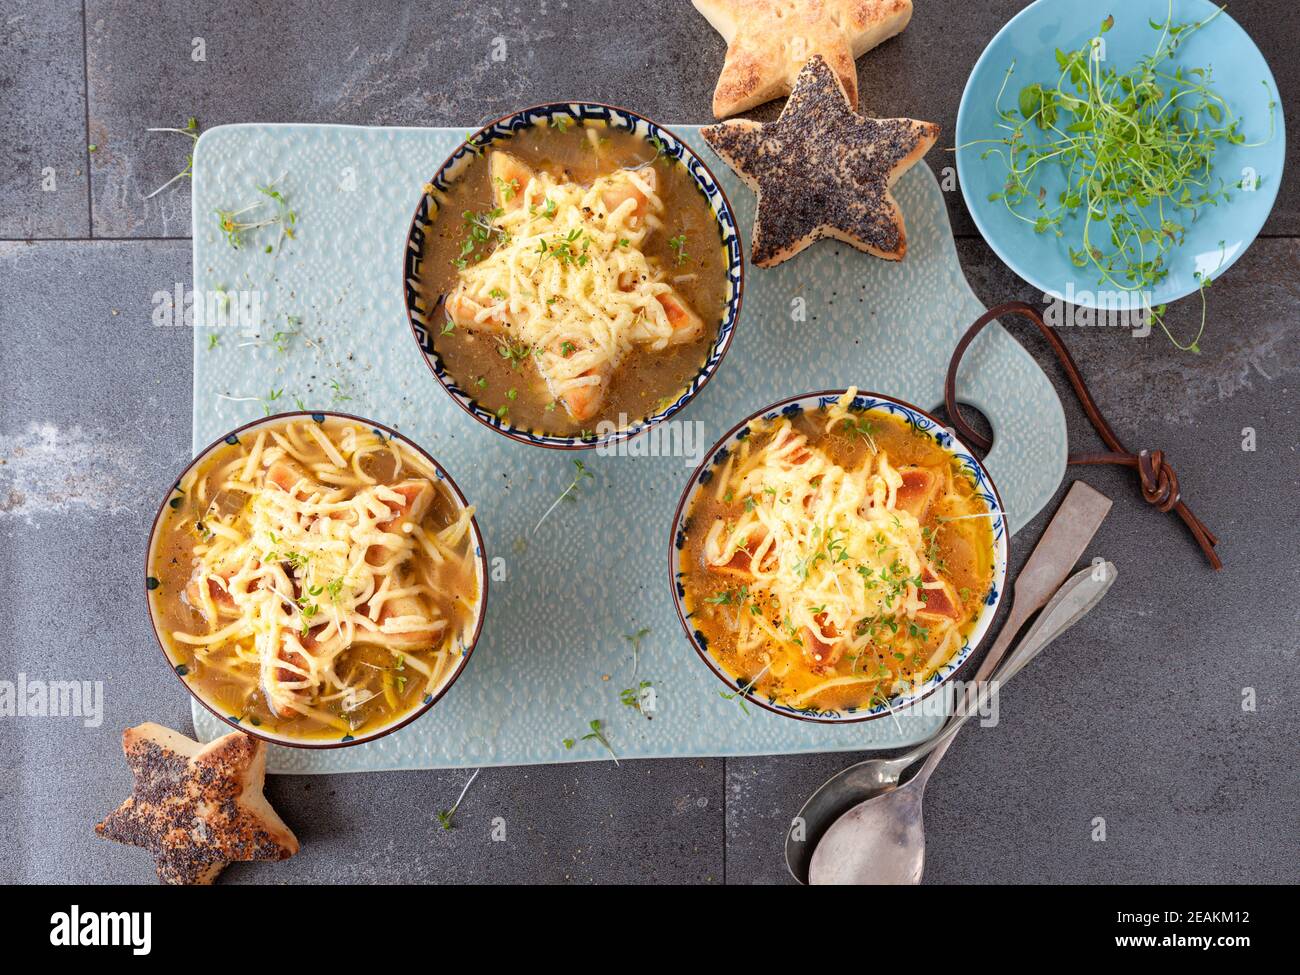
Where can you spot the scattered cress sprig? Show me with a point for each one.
(635, 639)
(596, 734)
(738, 695)
(191, 131)
(445, 816)
(580, 473)
(285, 218)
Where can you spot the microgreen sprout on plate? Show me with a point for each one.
(235, 224)
(569, 493)
(1137, 148)
(595, 734)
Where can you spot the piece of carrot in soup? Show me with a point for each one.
(620, 188)
(393, 608)
(791, 448)
(917, 491)
(292, 651)
(510, 179)
(940, 603)
(416, 495)
(289, 476)
(686, 325)
(221, 598)
(741, 564)
(584, 402)
(467, 313)
(820, 654)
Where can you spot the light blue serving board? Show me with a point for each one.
(553, 654)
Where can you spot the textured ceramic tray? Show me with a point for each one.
(554, 655)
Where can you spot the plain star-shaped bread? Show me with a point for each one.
(769, 42)
(823, 170)
(197, 807)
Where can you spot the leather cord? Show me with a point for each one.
(1159, 482)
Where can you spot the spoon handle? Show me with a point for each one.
(1044, 573)
(964, 708)
(1072, 602)
(1076, 599)
(937, 745)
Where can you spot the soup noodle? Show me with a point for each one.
(315, 579)
(836, 559)
(580, 275)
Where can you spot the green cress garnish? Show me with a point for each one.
(596, 734)
(570, 493)
(738, 695)
(515, 353)
(633, 697)
(445, 816)
(191, 131)
(635, 639)
(233, 228)
(1137, 149)
(678, 244)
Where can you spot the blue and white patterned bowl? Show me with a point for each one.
(402, 720)
(423, 315)
(920, 421)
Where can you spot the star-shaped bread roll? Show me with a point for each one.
(197, 807)
(823, 170)
(769, 42)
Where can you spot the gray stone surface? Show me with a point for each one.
(1134, 717)
(392, 63)
(43, 183)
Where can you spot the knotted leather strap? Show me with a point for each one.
(1159, 482)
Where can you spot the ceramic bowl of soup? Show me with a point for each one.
(838, 556)
(573, 275)
(316, 579)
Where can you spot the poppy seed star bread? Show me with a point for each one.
(197, 807)
(823, 170)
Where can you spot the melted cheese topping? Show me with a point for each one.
(316, 557)
(569, 275)
(831, 563)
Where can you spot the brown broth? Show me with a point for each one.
(644, 382)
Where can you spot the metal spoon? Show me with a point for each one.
(1062, 543)
(882, 840)
(842, 791)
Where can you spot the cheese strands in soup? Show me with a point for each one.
(315, 579)
(581, 276)
(836, 559)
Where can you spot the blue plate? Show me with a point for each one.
(1220, 234)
